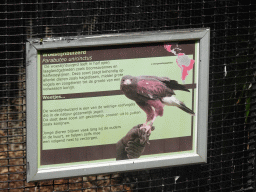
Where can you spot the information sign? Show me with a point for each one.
(82, 119)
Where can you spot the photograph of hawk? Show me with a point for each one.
(152, 93)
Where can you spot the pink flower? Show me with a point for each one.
(168, 48)
(185, 64)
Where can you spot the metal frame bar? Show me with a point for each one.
(35, 45)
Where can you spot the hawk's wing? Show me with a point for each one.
(153, 89)
(172, 84)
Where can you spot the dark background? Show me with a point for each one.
(231, 128)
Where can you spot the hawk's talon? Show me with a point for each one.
(148, 128)
(145, 132)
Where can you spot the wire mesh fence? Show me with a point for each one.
(232, 103)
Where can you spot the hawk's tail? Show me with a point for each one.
(183, 107)
(172, 101)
